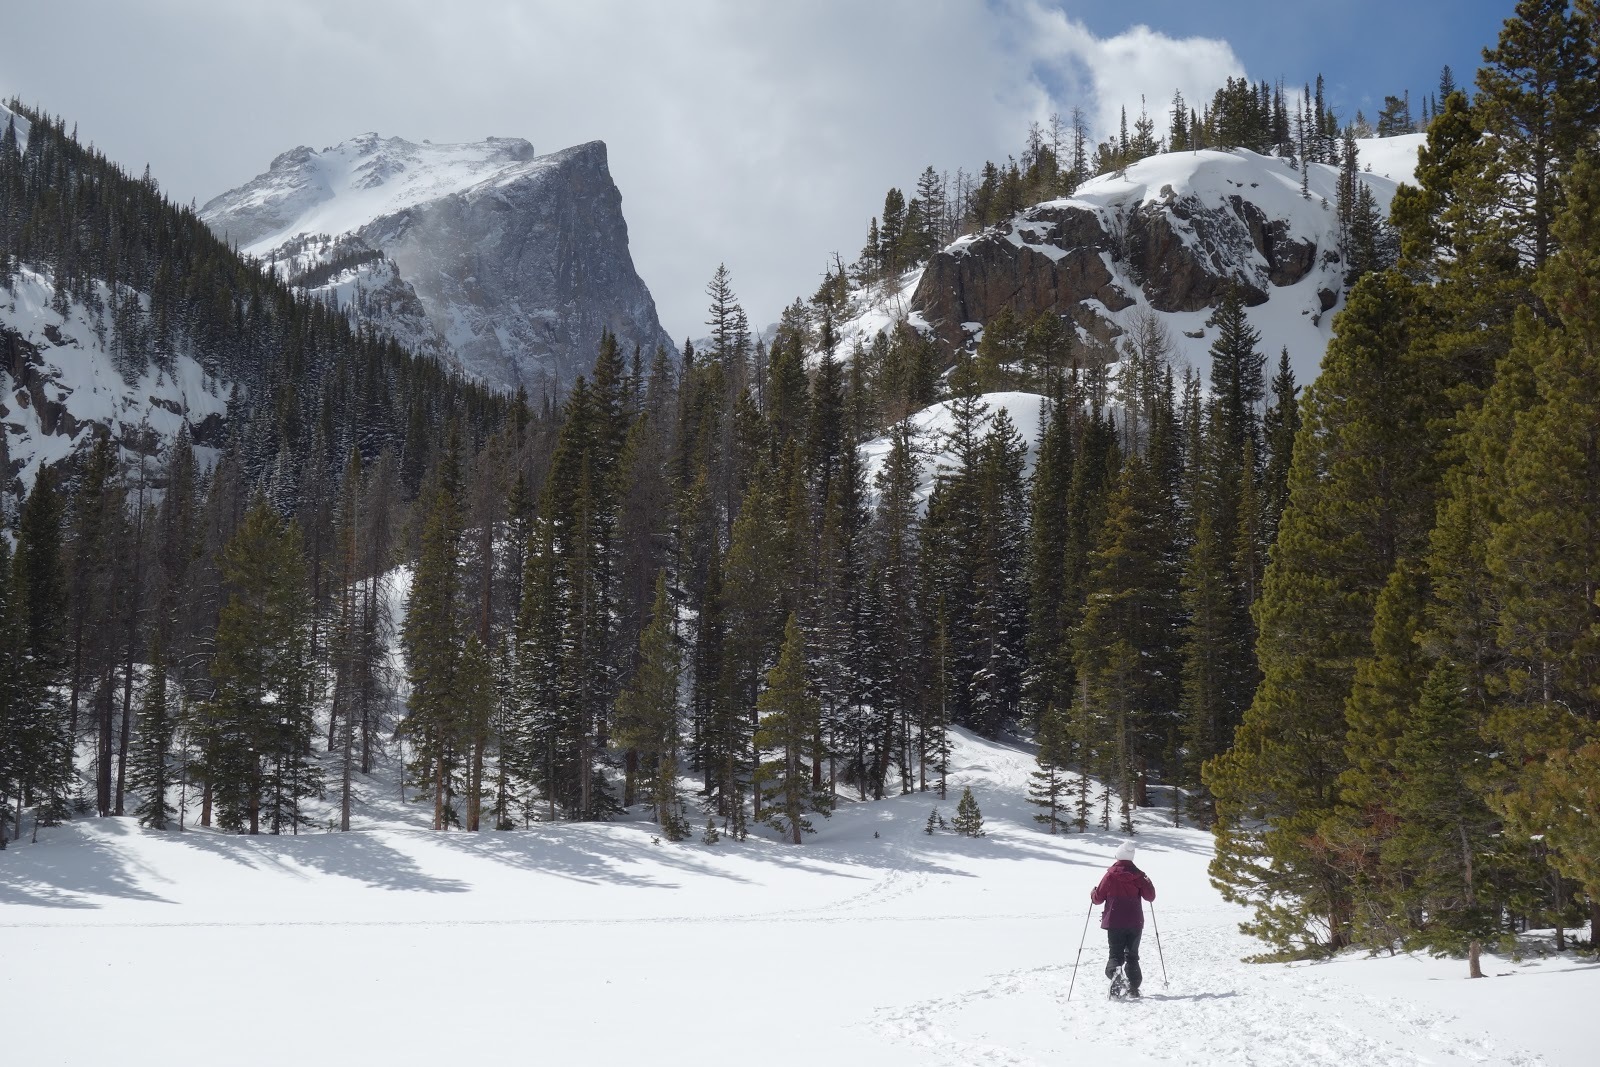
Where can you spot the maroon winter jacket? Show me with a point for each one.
(1120, 891)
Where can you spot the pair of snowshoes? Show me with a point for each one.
(1120, 990)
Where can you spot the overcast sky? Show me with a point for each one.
(760, 134)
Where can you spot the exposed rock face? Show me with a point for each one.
(1170, 236)
(507, 263)
(1051, 260)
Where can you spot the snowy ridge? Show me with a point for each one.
(22, 124)
(343, 188)
(65, 380)
(934, 949)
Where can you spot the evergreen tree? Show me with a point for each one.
(788, 727)
(44, 737)
(10, 709)
(646, 720)
(1359, 502)
(1279, 427)
(1543, 553)
(434, 640)
(1127, 646)
(152, 770)
(257, 728)
(969, 819)
(1538, 99)
(1050, 786)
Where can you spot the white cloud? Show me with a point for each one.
(1115, 72)
(760, 135)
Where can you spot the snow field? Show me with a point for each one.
(871, 943)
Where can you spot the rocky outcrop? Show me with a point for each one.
(1172, 235)
(1054, 260)
(506, 263)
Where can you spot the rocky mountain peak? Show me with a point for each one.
(505, 263)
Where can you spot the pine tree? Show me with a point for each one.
(788, 727)
(1539, 99)
(152, 772)
(1449, 841)
(1543, 553)
(44, 737)
(1128, 644)
(257, 728)
(10, 708)
(434, 641)
(1360, 501)
(1050, 786)
(646, 721)
(1279, 427)
(969, 819)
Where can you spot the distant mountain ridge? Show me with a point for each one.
(504, 263)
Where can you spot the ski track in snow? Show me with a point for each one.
(1236, 1019)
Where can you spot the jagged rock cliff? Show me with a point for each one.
(1167, 237)
(506, 263)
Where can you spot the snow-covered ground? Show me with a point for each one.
(872, 943)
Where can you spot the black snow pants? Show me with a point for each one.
(1125, 949)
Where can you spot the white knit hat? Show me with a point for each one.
(1126, 851)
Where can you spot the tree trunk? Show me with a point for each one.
(346, 766)
(124, 726)
(438, 795)
(134, 604)
(205, 806)
(1474, 949)
(77, 677)
(103, 749)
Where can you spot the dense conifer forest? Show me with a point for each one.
(1353, 627)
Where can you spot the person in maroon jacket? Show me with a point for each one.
(1121, 890)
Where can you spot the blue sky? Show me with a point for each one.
(1364, 48)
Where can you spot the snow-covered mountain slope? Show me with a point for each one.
(1394, 158)
(1165, 238)
(930, 437)
(507, 263)
(60, 377)
(883, 944)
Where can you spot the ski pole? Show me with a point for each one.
(1159, 954)
(1081, 938)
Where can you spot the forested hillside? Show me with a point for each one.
(118, 575)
